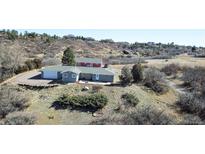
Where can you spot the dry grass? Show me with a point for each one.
(42, 100)
(182, 60)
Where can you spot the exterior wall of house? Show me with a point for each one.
(85, 76)
(47, 74)
(69, 77)
(59, 76)
(42, 74)
(103, 78)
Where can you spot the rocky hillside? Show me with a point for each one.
(51, 46)
(46, 46)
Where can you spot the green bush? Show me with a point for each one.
(130, 100)
(89, 102)
(137, 72)
(126, 76)
(12, 35)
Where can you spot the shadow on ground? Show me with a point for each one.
(115, 85)
(36, 77)
(59, 106)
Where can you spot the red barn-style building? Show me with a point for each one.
(89, 62)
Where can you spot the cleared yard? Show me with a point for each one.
(32, 78)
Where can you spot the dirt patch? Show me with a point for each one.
(182, 60)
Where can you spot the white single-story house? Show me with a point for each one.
(76, 73)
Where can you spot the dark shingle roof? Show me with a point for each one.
(77, 69)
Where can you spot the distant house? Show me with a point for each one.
(150, 43)
(76, 73)
(89, 62)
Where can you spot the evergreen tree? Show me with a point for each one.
(137, 72)
(193, 49)
(68, 57)
(126, 76)
(12, 35)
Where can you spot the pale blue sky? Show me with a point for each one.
(181, 37)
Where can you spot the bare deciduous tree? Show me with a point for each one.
(10, 58)
(11, 100)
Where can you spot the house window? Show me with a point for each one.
(73, 76)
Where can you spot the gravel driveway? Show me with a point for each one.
(32, 78)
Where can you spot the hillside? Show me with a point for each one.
(49, 46)
(46, 46)
(22, 52)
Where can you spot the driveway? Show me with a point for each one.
(31, 78)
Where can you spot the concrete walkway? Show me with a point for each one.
(94, 83)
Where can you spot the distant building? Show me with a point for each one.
(89, 62)
(150, 43)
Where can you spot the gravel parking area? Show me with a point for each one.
(31, 78)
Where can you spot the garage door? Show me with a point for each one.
(50, 75)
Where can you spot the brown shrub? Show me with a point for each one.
(195, 78)
(193, 104)
(146, 116)
(96, 88)
(10, 101)
(154, 79)
(171, 69)
(19, 118)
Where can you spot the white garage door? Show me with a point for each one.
(50, 74)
